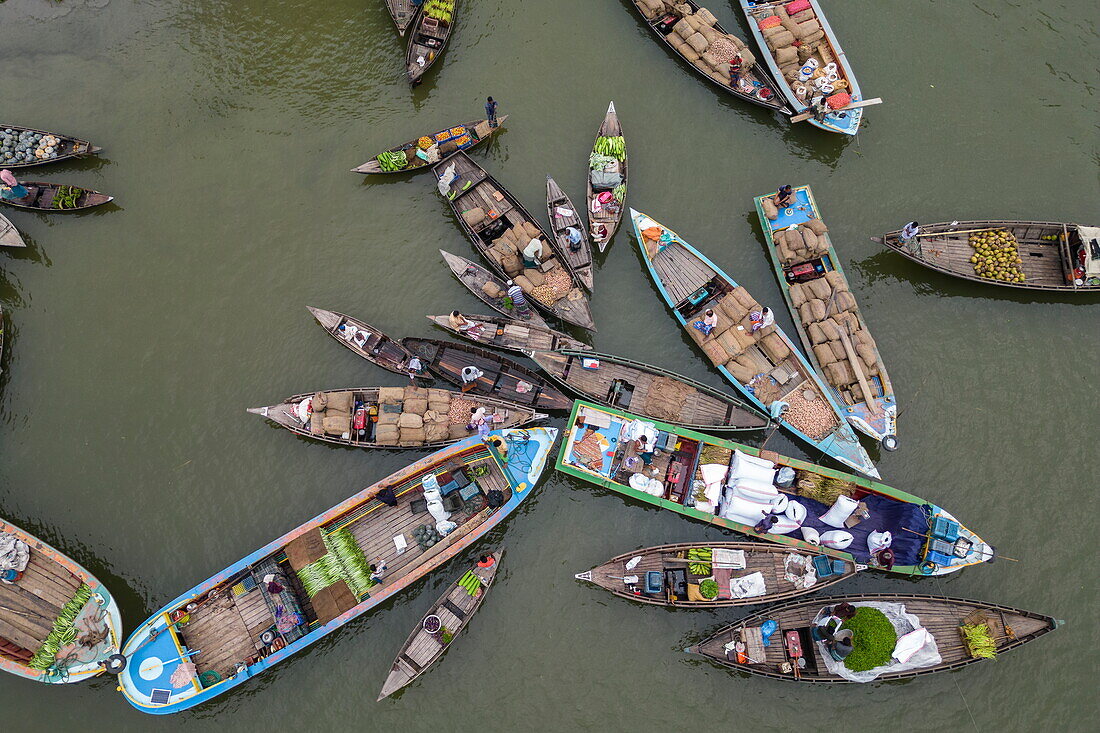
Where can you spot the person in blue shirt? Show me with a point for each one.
(574, 235)
(491, 111)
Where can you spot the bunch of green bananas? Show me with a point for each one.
(63, 631)
(613, 146)
(67, 197)
(441, 10)
(702, 557)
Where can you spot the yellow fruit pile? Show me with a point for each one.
(996, 256)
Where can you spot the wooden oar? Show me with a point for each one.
(802, 117)
(868, 396)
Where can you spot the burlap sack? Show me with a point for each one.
(794, 239)
(416, 406)
(838, 350)
(809, 238)
(698, 42)
(715, 352)
(769, 209)
(534, 277)
(741, 373)
(817, 226)
(706, 16)
(808, 28)
(457, 431)
(838, 374)
(524, 284)
(491, 289)
(729, 341)
(774, 347)
(803, 15)
(742, 296)
(798, 294)
(829, 329)
(867, 353)
(786, 55)
(391, 395)
(386, 434)
(836, 280)
(819, 288)
(845, 301)
(782, 39)
(436, 432)
(511, 264)
(824, 354)
(817, 336)
(532, 230)
(409, 420)
(411, 436)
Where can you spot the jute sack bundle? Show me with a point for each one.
(817, 226)
(698, 42)
(741, 373)
(824, 354)
(786, 55)
(389, 395)
(386, 434)
(410, 421)
(683, 29)
(524, 283)
(862, 337)
(794, 239)
(651, 8)
(836, 280)
(769, 32)
(412, 436)
(845, 301)
(706, 16)
(815, 38)
(729, 342)
(838, 350)
(803, 15)
(798, 294)
(785, 20)
(811, 311)
(781, 40)
(715, 352)
(817, 336)
(820, 288)
(742, 296)
(535, 277)
(829, 329)
(809, 238)
(491, 289)
(774, 347)
(416, 406)
(846, 322)
(807, 28)
(838, 374)
(769, 209)
(511, 264)
(436, 432)
(867, 353)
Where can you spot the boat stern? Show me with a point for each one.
(153, 654)
(951, 546)
(328, 319)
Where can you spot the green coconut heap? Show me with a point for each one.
(873, 639)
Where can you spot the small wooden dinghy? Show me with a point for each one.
(490, 289)
(945, 647)
(604, 216)
(578, 257)
(777, 26)
(734, 486)
(673, 28)
(55, 197)
(838, 344)
(430, 33)
(58, 623)
(682, 568)
(501, 228)
(9, 235)
(648, 390)
(12, 137)
(509, 334)
(501, 377)
(764, 365)
(392, 417)
(403, 13)
(1033, 255)
(297, 589)
(441, 625)
(364, 339)
(448, 140)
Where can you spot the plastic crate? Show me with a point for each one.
(945, 529)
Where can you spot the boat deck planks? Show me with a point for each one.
(580, 260)
(510, 334)
(403, 12)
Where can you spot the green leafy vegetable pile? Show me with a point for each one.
(708, 588)
(873, 639)
(391, 162)
(441, 10)
(67, 197)
(979, 641)
(63, 631)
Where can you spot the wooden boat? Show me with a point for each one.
(679, 576)
(603, 224)
(500, 227)
(332, 415)
(403, 13)
(365, 340)
(756, 86)
(41, 197)
(578, 260)
(649, 391)
(826, 51)
(501, 376)
(510, 334)
(490, 289)
(476, 132)
(859, 382)
(689, 473)
(9, 235)
(1052, 256)
(942, 617)
(430, 32)
(58, 623)
(447, 617)
(235, 625)
(70, 147)
(765, 366)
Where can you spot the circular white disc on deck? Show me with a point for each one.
(151, 669)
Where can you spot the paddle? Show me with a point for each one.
(802, 117)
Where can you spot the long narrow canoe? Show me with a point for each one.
(942, 617)
(1048, 255)
(510, 334)
(490, 289)
(389, 416)
(457, 137)
(782, 576)
(441, 625)
(648, 390)
(44, 197)
(58, 623)
(235, 625)
(577, 257)
(688, 475)
(501, 377)
(430, 33)
(9, 235)
(816, 34)
(816, 274)
(755, 86)
(364, 339)
(498, 225)
(403, 13)
(765, 366)
(604, 222)
(69, 147)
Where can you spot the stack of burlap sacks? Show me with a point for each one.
(409, 416)
(695, 36)
(731, 347)
(802, 243)
(802, 27)
(506, 251)
(824, 316)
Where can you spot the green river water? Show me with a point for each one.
(138, 334)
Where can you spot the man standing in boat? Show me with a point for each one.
(491, 111)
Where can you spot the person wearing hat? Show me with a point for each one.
(11, 190)
(832, 618)
(840, 646)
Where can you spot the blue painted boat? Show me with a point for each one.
(828, 51)
(765, 366)
(877, 416)
(314, 579)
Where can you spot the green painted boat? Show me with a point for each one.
(688, 472)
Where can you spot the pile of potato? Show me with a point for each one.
(814, 418)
